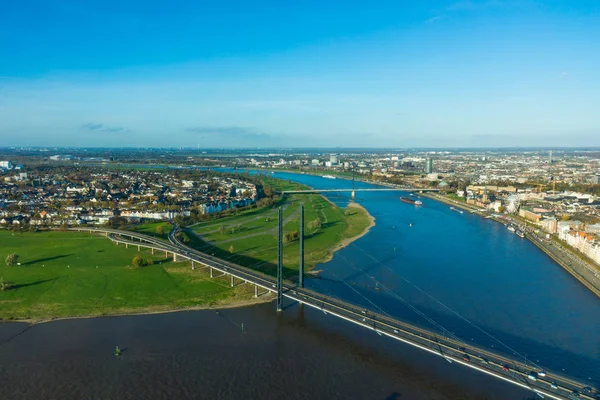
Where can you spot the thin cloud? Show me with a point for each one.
(434, 19)
(564, 75)
(476, 5)
(234, 132)
(104, 128)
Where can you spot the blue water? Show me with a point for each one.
(466, 276)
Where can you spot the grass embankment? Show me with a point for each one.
(251, 239)
(66, 274)
(159, 229)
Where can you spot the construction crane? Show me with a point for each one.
(541, 186)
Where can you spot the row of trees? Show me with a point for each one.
(182, 236)
(290, 236)
(139, 262)
(233, 229)
(265, 196)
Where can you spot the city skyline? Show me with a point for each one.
(442, 75)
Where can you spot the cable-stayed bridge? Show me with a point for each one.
(383, 189)
(546, 384)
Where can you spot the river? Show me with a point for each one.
(469, 275)
(457, 273)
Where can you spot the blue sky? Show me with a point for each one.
(300, 74)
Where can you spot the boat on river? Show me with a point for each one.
(520, 234)
(411, 201)
(457, 210)
(328, 176)
(511, 228)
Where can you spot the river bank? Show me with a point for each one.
(579, 272)
(69, 274)
(223, 305)
(346, 242)
(250, 240)
(191, 352)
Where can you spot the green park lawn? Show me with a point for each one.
(65, 274)
(251, 239)
(150, 228)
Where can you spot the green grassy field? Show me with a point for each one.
(149, 228)
(72, 274)
(251, 239)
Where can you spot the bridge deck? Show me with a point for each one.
(552, 385)
(384, 189)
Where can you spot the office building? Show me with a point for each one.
(429, 165)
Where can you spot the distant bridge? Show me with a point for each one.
(386, 189)
(550, 385)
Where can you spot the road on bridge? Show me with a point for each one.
(548, 384)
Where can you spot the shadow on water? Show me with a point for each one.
(22, 285)
(528, 350)
(394, 396)
(39, 260)
(450, 322)
(381, 354)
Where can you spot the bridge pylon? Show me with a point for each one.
(353, 192)
(280, 262)
(301, 266)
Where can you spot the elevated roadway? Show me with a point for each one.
(350, 190)
(546, 384)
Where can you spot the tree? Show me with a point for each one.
(501, 209)
(4, 286)
(565, 217)
(231, 249)
(12, 259)
(221, 229)
(137, 262)
(160, 230)
(315, 224)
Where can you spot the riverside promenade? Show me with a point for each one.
(585, 272)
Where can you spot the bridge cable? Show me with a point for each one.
(449, 309)
(445, 331)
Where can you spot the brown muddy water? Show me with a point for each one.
(298, 354)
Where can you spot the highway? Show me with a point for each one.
(546, 384)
